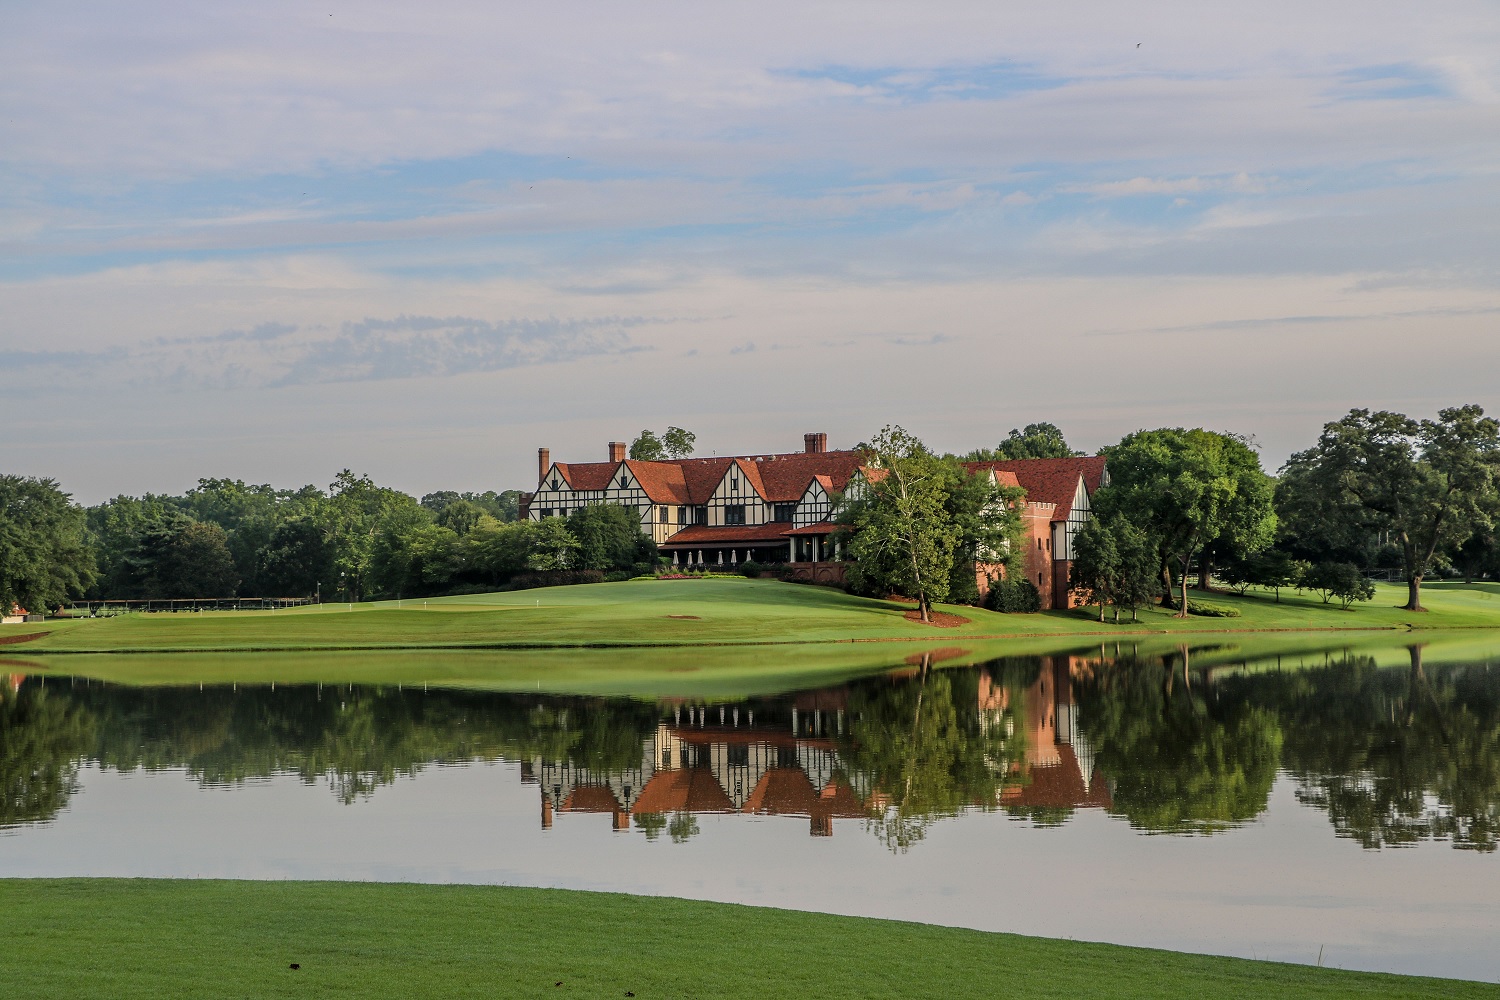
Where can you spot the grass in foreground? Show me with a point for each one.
(151, 938)
(698, 612)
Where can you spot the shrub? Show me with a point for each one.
(1014, 597)
(1341, 581)
(1204, 609)
(750, 568)
(555, 578)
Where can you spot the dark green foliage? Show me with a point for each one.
(503, 507)
(1338, 581)
(44, 736)
(609, 537)
(674, 442)
(1011, 595)
(1207, 609)
(1188, 489)
(44, 557)
(1041, 440)
(1426, 485)
(297, 559)
(1114, 562)
(920, 522)
(751, 568)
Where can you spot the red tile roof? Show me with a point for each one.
(1051, 480)
(702, 534)
(777, 478)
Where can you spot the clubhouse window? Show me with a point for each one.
(734, 514)
(783, 512)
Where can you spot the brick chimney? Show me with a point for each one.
(617, 451)
(814, 444)
(543, 463)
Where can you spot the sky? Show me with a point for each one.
(272, 241)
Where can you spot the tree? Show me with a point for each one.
(608, 537)
(197, 563)
(1041, 440)
(460, 517)
(899, 534)
(1187, 488)
(1096, 565)
(1341, 581)
(297, 560)
(553, 546)
(351, 519)
(44, 558)
(673, 443)
(1425, 485)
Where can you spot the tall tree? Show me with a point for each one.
(1187, 488)
(900, 534)
(44, 558)
(672, 443)
(1041, 440)
(1425, 484)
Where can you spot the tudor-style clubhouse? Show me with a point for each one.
(779, 508)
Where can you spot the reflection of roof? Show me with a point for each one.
(689, 789)
(591, 799)
(1051, 480)
(1058, 786)
(783, 791)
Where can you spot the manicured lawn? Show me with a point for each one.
(157, 938)
(695, 613)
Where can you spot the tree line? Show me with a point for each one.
(1377, 491)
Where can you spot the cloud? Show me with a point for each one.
(278, 354)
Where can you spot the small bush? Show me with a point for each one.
(1204, 609)
(1014, 597)
(750, 568)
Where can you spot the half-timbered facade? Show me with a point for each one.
(711, 511)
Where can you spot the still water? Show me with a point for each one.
(1343, 805)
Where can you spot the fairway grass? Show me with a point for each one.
(130, 939)
(699, 613)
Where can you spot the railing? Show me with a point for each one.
(95, 609)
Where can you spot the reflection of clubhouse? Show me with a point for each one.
(725, 759)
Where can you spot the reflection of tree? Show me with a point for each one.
(921, 744)
(1394, 756)
(42, 739)
(1180, 762)
(357, 738)
(683, 826)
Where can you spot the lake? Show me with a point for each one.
(1339, 805)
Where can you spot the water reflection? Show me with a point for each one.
(1392, 756)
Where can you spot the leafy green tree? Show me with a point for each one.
(609, 537)
(553, 546)
(1426, 484)
(197, 563)
(298, 559)
(460, 517)
(673, 443)
(503, 507)
(985, 518)
(1341, 581)
(494, 552)
(44, 556)
(900, 535)
(1095, 571)
(1041, 440)
(1186, 488)
(351, 518)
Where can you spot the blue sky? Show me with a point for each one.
(276, 241)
